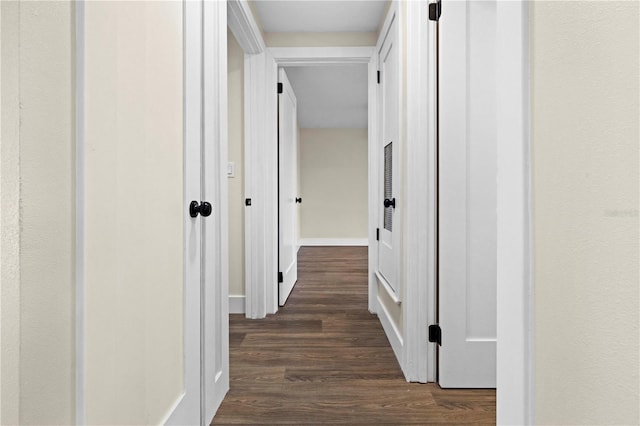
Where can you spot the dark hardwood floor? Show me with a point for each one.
(323, 359)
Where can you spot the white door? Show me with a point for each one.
(287, 121)
(467, 195)
(389, 145)
(188, 410)
(206, 335)
(215, 272)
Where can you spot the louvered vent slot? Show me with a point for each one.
(388, 175)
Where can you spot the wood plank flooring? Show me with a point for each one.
(323, 359)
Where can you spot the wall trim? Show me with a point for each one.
(334, 242)
(236, 304)
(388, 289)
(261, 220)
(305, 56)
(393, 334)
(244, 26)
(172, 409)
(515, 397)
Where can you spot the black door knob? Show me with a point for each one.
(205, 209)
(298, 200)
(390, 203)
(196, 208)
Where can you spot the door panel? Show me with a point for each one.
(388, 58)
(188, 409)
(287, 166)
(142, 250)
(467, 193)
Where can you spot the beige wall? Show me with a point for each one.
(333, 178)
(235, 66)
(37, 211)
(585, 194)
(296, 39)
(134, 210)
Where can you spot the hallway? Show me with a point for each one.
(324, 359)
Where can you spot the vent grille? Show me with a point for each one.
(388, 185)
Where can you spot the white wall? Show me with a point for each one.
(585, 211)
(333, 183)
(134, 210)
(235, 66)
(37, 213)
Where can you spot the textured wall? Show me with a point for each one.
(38, 204)
(585, 194)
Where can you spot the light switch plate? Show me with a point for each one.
(231, 169)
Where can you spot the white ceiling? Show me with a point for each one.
(331, 96)
(320, 16)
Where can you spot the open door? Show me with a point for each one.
(467, 195)
(389, 146)
(287, 158)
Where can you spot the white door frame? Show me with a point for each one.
(515, 322)
(515, 396)
(419, 197)
(261, 219)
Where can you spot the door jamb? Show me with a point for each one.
(515, 397)
(419, 269)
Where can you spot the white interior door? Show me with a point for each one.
(215, 272)
(287, 159)
(188, 409)
(206, 329)
(389, 243)
(467, 194)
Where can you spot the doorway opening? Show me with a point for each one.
(323, 161)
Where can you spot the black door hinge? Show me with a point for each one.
(378, 77)
(377, 234)
(435, 10)
(280, 88)
(435, 334)
(280, 277)
(247, 202)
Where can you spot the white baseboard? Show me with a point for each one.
(392, 332)
(236, 304)
(171, 411)
(334, 242)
